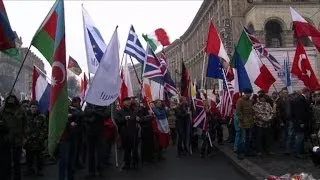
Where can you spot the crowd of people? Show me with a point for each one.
(129, 131)
(285, 121)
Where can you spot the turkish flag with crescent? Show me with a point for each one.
(301, 67)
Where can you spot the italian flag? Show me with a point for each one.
(257, 72)
(157, 38)
(50, 41)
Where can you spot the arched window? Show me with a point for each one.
(273, 31)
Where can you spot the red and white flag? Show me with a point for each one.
(302, 28)
(126, 86)
(83, 86)
(301, 67)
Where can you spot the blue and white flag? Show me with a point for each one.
(106, 83)
(134, 48)
(287, 74)
(95, 45)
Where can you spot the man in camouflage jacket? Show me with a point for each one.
(36, 135)
(13, 123)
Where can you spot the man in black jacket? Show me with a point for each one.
(67, 148)
(94, 117)
(127, 123)
(147, 135)
(183, 127)
(301, 114)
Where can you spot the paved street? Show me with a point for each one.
(187, 168)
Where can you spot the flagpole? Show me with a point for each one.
(258, 56)
(42, 72)
(288, 66)
(115, 142)
(84, 35)
(139, 81)
(19, 71)
(135, 71)
(202, 73)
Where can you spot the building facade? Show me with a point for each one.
(9, 68)
(269, 20)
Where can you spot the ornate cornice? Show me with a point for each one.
(206, 5)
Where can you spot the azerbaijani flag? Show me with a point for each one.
(50, 41)
(6, 34)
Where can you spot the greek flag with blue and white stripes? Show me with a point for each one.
(134, 48)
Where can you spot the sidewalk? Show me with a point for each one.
(278, 164)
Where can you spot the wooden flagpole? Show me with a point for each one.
(203, 80)
(139, 81)
(19, 71)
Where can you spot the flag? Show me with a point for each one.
(265, 79)
(226, 101)
(262, 50)
(200, 113)
(301, 67)
(185, 81)
(288, 74)
(157, 38)
(41, 90)
(214, 68)
(214, 44)
(169, 85)
(241, 77)
(126, 86)
(104, 91)
(50, 41)
(193, 93)
(304, 29)
(256, 71)
(213, 103)
(95, 45)
(14, 53)
(153, 69)
(83, 86)
(74, 66)
(134, 48)
(7, 36)
(216, 50)
(146, 92)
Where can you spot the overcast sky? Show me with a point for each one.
(146, 16)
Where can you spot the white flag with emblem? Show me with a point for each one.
(95, 45)
(105, 86)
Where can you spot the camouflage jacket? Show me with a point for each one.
(36, 131)
(14, 121)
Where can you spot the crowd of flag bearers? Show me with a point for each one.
(108, 122)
